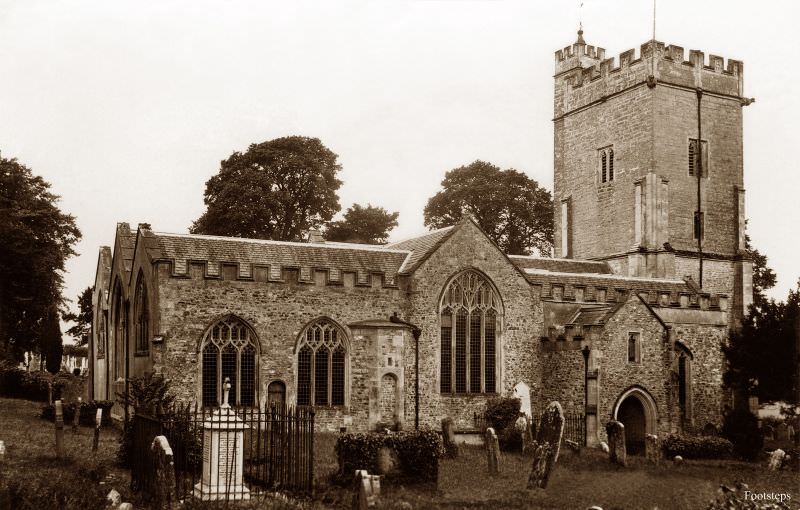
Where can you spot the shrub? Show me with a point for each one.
(697, 447)
(18, 383)
(501, 414)
(419, 453)
(741, 428)
(88, 411)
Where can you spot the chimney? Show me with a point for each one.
(315, 236)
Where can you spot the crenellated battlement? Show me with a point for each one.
(583, 74)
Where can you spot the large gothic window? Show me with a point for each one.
(470, 315)
(142, 315)
(321, 365)
(229, 351)
(120, 325)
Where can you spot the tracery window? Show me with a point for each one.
(606, 170)
(142, 314)
(321, 365)
(120, 326)
(470, 315)
(229, 350)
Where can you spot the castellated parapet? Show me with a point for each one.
(584, 76)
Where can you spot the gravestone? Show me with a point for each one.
(367, 490)
(604, 446)
(114, 498)
(164, 464)
(388, 461)
(547, 445)
(492, 451)
(523, 393)
(776, 460)
(782, 431)
(76, 418)
(768, 431)
(652, 448)
(449, 438)
(616, 443)
(98, 419)
(678, 460)
(59, 429)
(523, 427)
(223, 455)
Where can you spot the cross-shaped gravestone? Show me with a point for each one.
(227, 389)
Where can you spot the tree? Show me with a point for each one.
(510, 206)
(764, 278)
(762, 355)
(368, 225)
(275, 190)
(83, 319)
(37, 238)
(52, 346)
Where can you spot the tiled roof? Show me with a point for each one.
(127, 243)
(420, 247)
(537, 276)
(362, 259)
(594, 315)
(560, 265)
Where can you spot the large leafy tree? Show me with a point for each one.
(275, 190)
(37, 238)
(82, 319)
(762, 355)
(51, 342)
(510, 206)
(764, 278)
(369, 225)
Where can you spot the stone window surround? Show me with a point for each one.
(141, 313)
(605, 165)
(252, 340)
(691, 153)
(638, 347)
(343, 338)
(499, 316)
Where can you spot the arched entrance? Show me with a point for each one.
(636, 410)
(388, 398)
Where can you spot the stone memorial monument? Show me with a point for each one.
(492, 451)
(616, 443)
(652, 449)
(367, 490)
(223, 455)
(449, 438)
(546, 446)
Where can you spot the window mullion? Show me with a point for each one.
(483, 351)
(453, 352)
(220, 382)
(330, 377)
(238, 375)
(312, 395)
(467, 354)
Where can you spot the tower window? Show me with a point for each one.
(606, 156)
(634, 348)
(698, 155)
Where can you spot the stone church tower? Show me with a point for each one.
(633, 187)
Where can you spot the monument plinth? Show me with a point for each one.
(223, 455)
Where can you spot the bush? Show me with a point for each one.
(88, 411)
(501, 414)
(18, 383)
(419, 453)
(741, 428)
(696, 447)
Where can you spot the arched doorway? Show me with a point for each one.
(636, 410)
(388, 399)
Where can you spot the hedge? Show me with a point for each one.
(501, 414)
(741, 428)
(88, 412)
(696, 447)
(419, 453)
(18, 383)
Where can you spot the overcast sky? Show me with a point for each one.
(127, 108)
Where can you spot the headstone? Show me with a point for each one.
(523, 393)
(523, 427)
(652, 448)
(114, 498)
(388, 461)
(367, 490)
(125, 506)
(76, 419)
(776, 460)
(223, 455)
(782, 431)
(573, 446)
(59, 429)
(768, 431)
(678, 460)
(604, 446)
(791, 431)
(98, 419)
(449, 438)
(164, 464)
(492, 451)
(616, 443)
(547, 445)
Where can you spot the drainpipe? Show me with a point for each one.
(585, 351)
(700, 220)
(127, 364)
(415, 331)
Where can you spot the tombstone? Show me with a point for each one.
(523, 427)
(616, 443)
(523, 393)
(114, 498)
(223, 455)
(59, 429)
(76, 419)
(98, 419)
(164, 464)
(604, 446)
(388, 461)
(652, 449)
(678, 460)
(449, 438)
(547, 445)
(782, 431)
(776, 460)
(492, 451)
(768, 431)
(573, 446)
(125, 506)
(367, 490)
(790, 430)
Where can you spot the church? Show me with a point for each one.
(626, 322)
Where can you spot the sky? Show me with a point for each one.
(128, 107)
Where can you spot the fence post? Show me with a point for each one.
(59, 430)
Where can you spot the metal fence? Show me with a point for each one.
(277, 450)
(574, 428)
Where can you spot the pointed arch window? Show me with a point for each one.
(120, 326)
(229, 350)
(470, 315)
(142, 315)
(606, 164)
(322, 365)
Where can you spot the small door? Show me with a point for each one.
(276, 394)
(388, 401)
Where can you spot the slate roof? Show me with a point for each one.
(352, 258)
(592, 315)
(127, 243)
(560, 265)
(420, 247)
(611, 281)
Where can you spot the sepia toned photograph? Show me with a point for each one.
(399, 255)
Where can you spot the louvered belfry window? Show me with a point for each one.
(322, 365)
(229, 350)
(470, 315)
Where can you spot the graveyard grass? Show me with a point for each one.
(578, 480)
